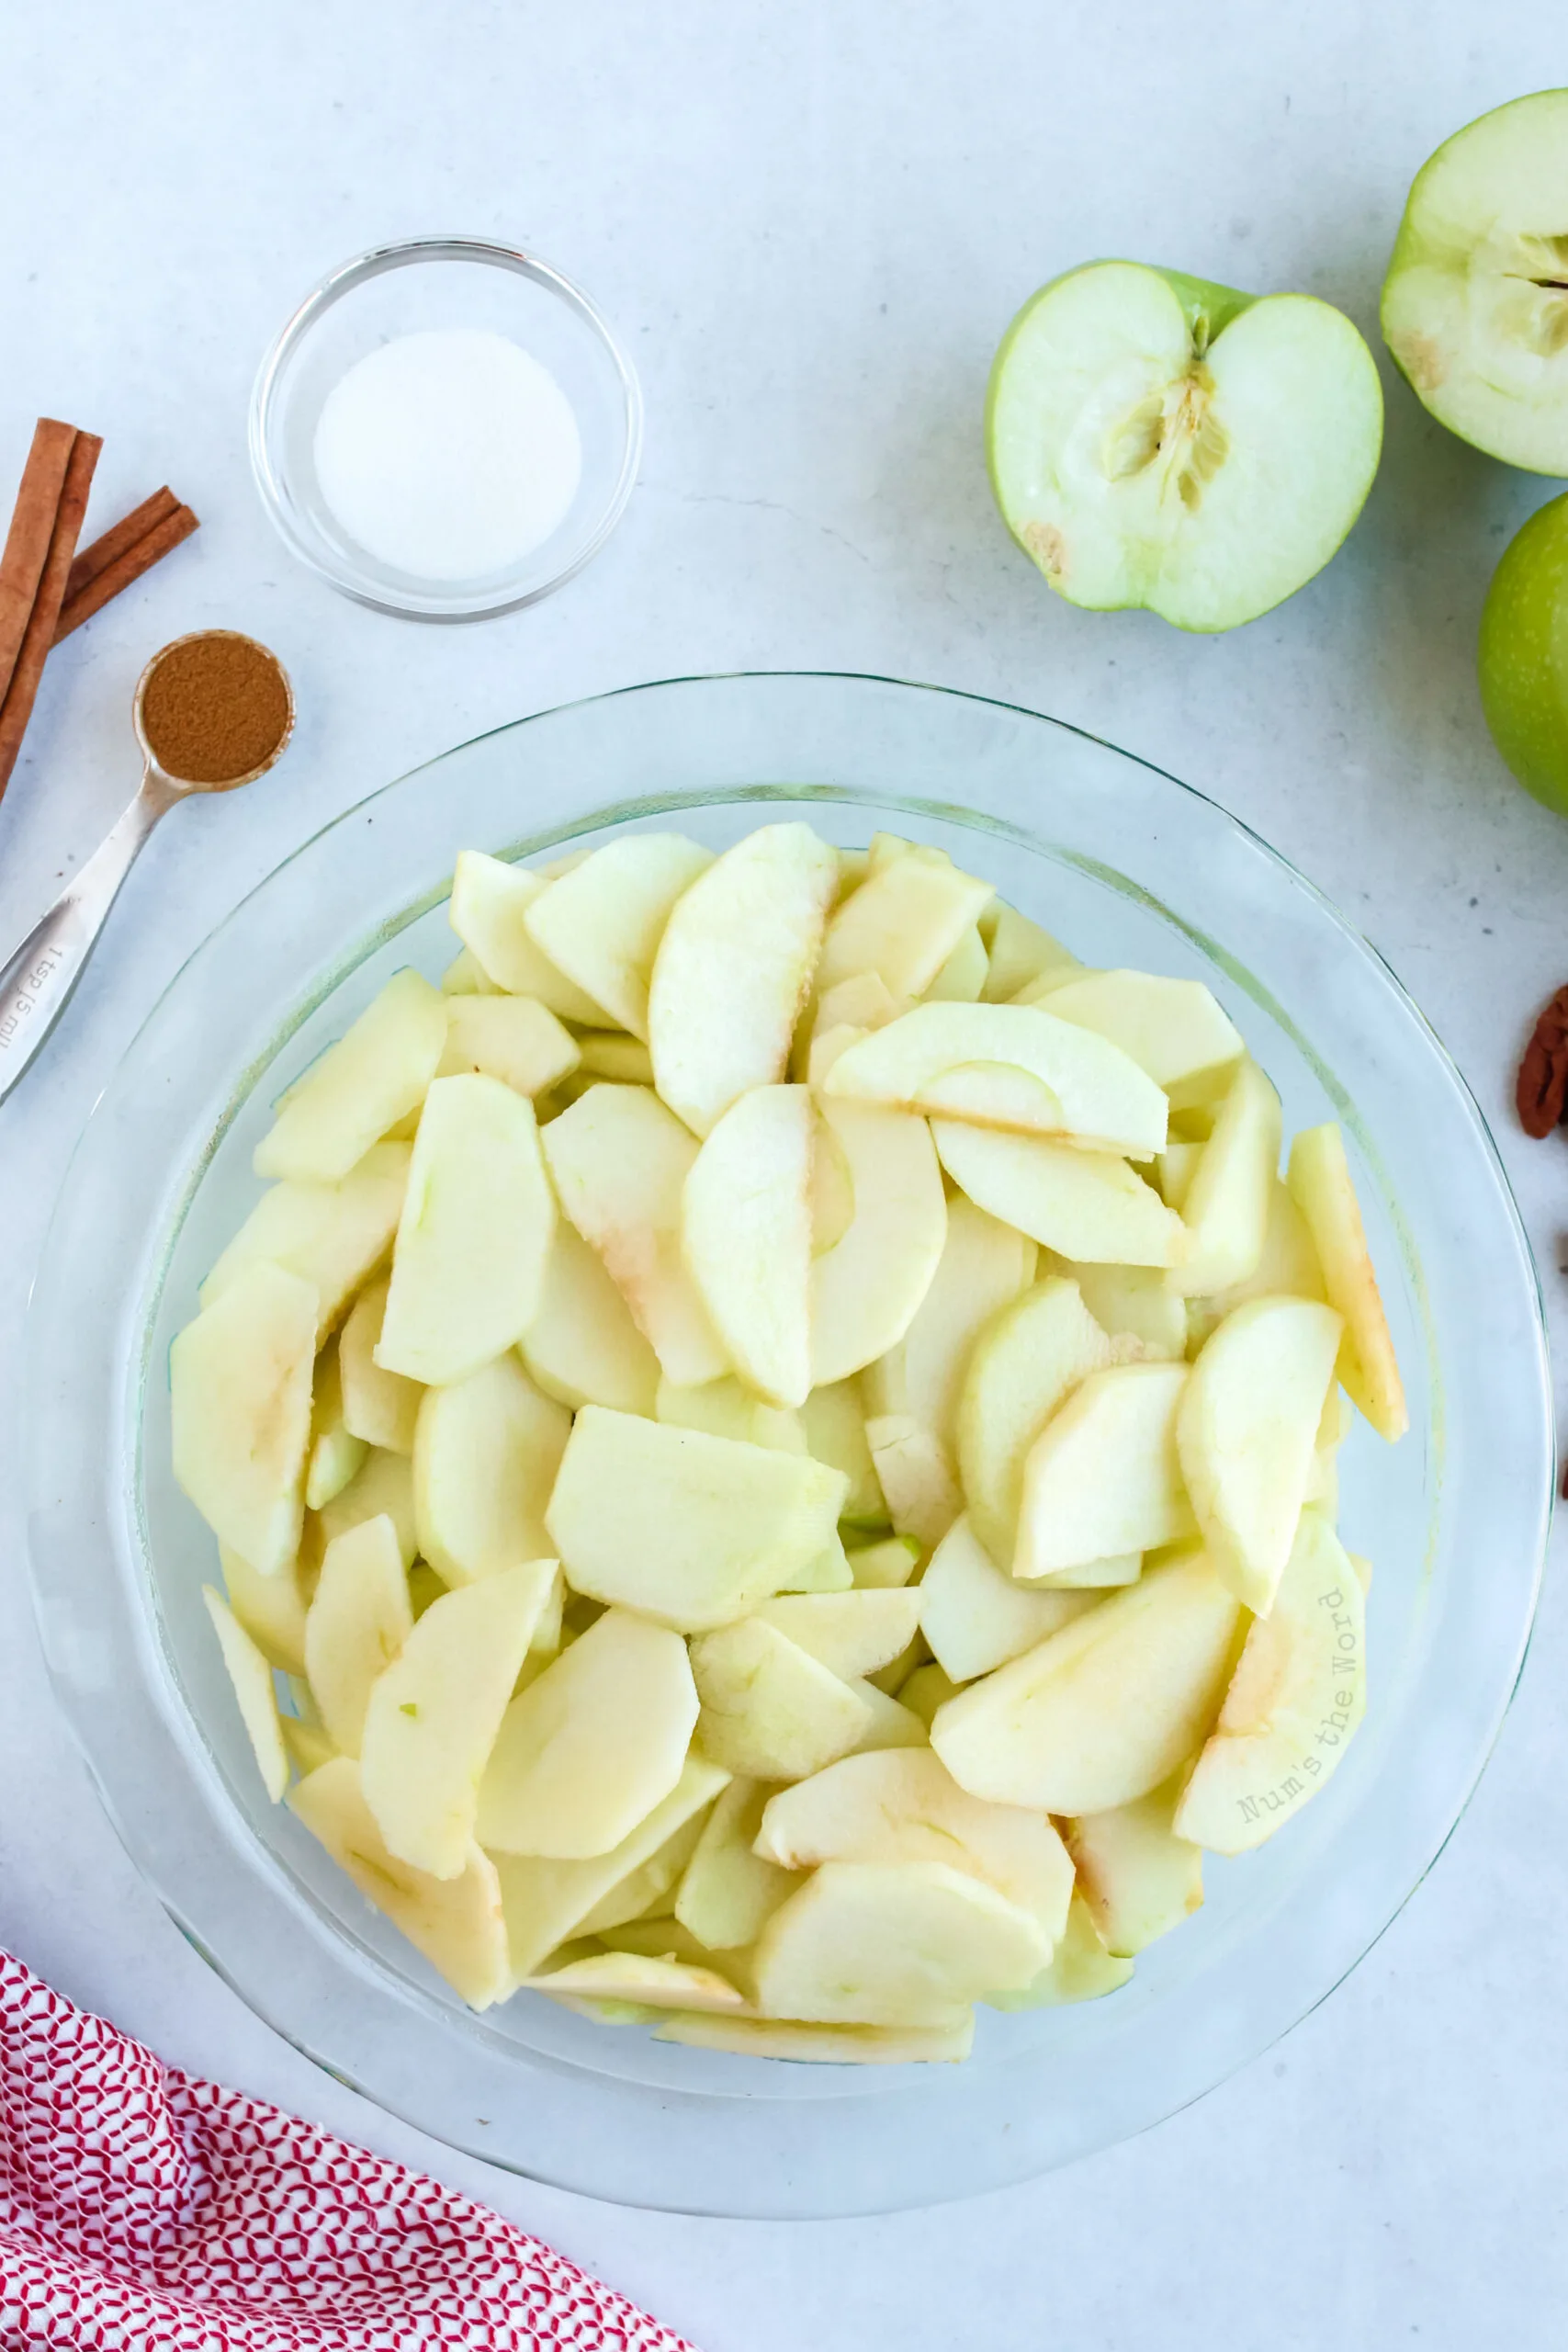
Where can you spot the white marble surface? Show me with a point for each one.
(811, 224)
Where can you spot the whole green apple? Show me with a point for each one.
(1524, 656)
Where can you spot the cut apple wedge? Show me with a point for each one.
(916, 1476)
(1080, 1969)
(490, 914)
(729, 1892)
(1053, 1077)
(746, 1237)
(1295, 1704)
(377, 1072)
(433, 1714)
(380, 1407)
(582, 1346)
(983, 1265)
(1322, 1187)
(1029, 1358)
(335, 1454)
(976, 1617)
(770, 1711)
(1103, 1478)
(619, 1161)
(455, 1922)
(271, 1608)
(691, 1529)
(875, 1567)
(240, 1380)
(384, 1485)
(358, 1620)
(606, 1054)
(1174, 1030)
(333, 1235)
(1088, 1205)
(647, 1893)
(251, 1678)
(734, 967)
(893, 1944)
(725, 1409)
(1226, 1209)
(962, 979)
(1135, 1302)
(866, 1289)
(601, 924)
(465, 976)
(590, 1748)
(905, 1806)
(1017, 952)
(1138, 1878)
(474, 1237)
(1288, 1267)
(849, 1633)
(823, 2045)
(485, 1458)
(655, 1984)
(904, 923)
(1246, 1431)
(832, 1421)
(509, 1037)
(1104, 1711)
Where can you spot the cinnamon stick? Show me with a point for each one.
(134, 557)
(49, 595)
(110, 545)
(27, 541)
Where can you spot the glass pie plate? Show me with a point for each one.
(1130, 868)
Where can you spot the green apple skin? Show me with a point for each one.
(1523, 656)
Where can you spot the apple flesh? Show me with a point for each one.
(251, 1678)
(893, 1944)
(746, 1237)
(486, 1453)
(1323, 1190)
(1086, 1205)
(1157, 440)
(825, 2045)
(1138, 1878)
(358, 1620)
(1104, 1478)
(730, 1890)
(377, 1072)
(1524, 653)
(975, 1617)
(240, 1379)
(332, 1236)
(1028, 1360)
(601, 924)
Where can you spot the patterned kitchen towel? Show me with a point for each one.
(142, 2211)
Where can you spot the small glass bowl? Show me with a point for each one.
(421, 284)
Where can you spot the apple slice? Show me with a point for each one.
(485, 1458)
(1138, 1878)
(1104, 1711)
(1027, 1360)
(358, 1620)
(582, 1347)
(826, 2045)
(1476, 303)
(1246, 1431)
(1103, 1478)
(1297, 1698)
(927, 1689)
(1086, 1205)
(915, 1473)
(849, 1633)
(240, 1409)
(382, 1407)
(468, 1264)
(656, 1983)
(975, 1616)
(1080, 1969)
(770, 1711)
(876, 1567)
(729, 1892)
(455, 1922)
(734, 967)
(251, 1675)
(465, 976)
(1288, 1267)
(983, 1266)
(893, 1944)
(619, 1161)
(832, 1421)
(384, 1485)
(746, 1237)
(724, 1408)
(508, 1037)
(433, 1714)
(490, 914)
(1053, 1078)
(271, 1608)
(336, 1455)
(647, 1893)
(962, 979)
(1159, 441)
(1135, 1302)
(1226, 1210)
(1323, 1189)
(349, 1097)
(307, 1744)
(589, 1749)
(1018, 951)
(866, 1289)
(333, 1235)
(691, 1529)
(601, 924)
(904, 923)
(905, 1806)
(1174, 1030)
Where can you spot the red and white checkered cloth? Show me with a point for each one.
(143, 2212)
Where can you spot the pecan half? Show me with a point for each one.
(1542, 1089)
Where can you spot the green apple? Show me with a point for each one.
(1524, 650)
(1157, 440)
(1476, 303)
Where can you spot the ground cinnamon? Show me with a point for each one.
(215, 708)
(1541, 1092)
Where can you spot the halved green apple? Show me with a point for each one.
(1157, 440)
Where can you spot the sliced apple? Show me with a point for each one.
(1104, 1478)
(1174, 1030)
(691, 1529)
(647, 1893)
(823, 2045)
(893, 1944)
(606, 1054)
(306, 1743)
(486, 1454)
(380, 1407)
(601, 924)
(385, 1484)
(828, 1570)
(377, 1072)
(746, 1237)
(1138, 1878)
(335, 1454)
(1080, 1969)
(1075, 1083)
(239, 1409)
(455, 1922)
(915, 1473)
(582, 1347)
(770, 1711)
(729, 1892)
(976, 1617)
(654, 1984)
(849, 1633)
(465, 976)
(962, 979)
(619, 1161)
(332, 1236)
(433, 1714)
(251, 1675)
(1226, 1210)
(1288, 1267)
(1298, 1696)
(927, 1689)
(833, 1423)
(474, 1237)
(1104, 1711)
(734, 968)
(271, 1608)
(1135, 1302)
(1246, 1434)
(904, 923)
(1088, 1205)
(877, 1566)
(358, 1620)
(724, 1408)
(509, 1037)
(1018, 951)
(1027, 1359)
(983, 1266)
(866, 1289)
(1323, 1189)
(489, 912)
